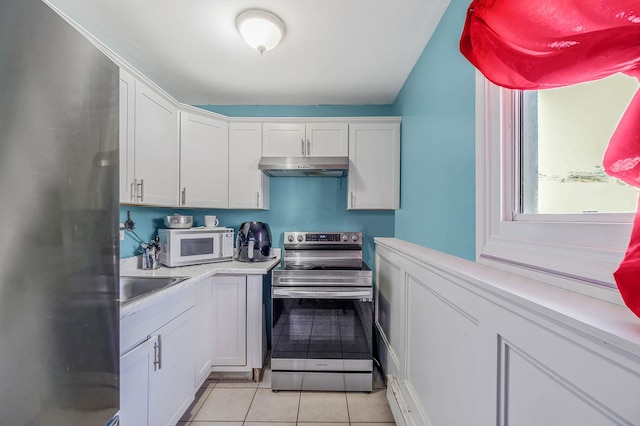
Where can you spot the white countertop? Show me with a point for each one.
(196, 273)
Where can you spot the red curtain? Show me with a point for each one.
(538, 44)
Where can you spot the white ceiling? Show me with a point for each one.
(343, 52)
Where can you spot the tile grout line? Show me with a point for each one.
(346, 400)
(201, 405)
(249, 409)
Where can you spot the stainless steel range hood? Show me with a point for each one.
(305, 166)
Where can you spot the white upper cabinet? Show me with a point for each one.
(127, 120)
(305, 140)
(156, 147)
(283, 139)
(204, 170)
(248, 186)
(327, 140)
(196, 159)
(149, 139)
(374, 166)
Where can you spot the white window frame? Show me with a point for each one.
(575, 252)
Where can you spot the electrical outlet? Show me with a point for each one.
(122, 232)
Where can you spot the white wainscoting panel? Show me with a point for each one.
(450, 389)
(391, 291)
(466, 344)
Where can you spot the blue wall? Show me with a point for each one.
(297, 204)
(438, 144)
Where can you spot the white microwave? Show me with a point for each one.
(181, 247)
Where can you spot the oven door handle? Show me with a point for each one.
(364, 294)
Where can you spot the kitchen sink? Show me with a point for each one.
(133, 288)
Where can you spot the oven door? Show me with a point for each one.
(322, 329)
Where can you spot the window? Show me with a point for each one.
(523, 223)
(563, 134)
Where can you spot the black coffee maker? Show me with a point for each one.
(253, 242)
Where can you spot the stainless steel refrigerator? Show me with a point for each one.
(59, 260)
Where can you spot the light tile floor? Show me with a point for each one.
(221, 402)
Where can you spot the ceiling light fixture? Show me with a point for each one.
(261, 30)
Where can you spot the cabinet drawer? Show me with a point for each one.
(135, 328)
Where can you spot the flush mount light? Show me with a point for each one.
(261, 30)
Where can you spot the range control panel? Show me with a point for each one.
(323, 238)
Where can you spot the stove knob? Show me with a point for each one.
(290, 238)
(354, 237)
(344, 237)
(300, 238)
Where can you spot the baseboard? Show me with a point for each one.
(399, 407)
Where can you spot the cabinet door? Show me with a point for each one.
(248, 186)
(202, 332)
(127, 152)
(204, 178)
(327, 139)
(283, 140)
(171, 381)
(229, 321)
(156, 148)
(135, 367)
(374, 173)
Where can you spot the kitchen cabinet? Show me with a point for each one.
(202, 332)
(157, 376)
(171, 382)
(157, 365)
(237, 325)
(248, 186)
(305, 139)
(149, 137)
(204, 177)
(135, 370)
(229, 321)
(374, 166)
(127, 152)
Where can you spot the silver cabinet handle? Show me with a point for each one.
(258, 199)
(141, 186)
(303, 147)
(308, 148)
(157, 355)
(184, 196)
(352, 197)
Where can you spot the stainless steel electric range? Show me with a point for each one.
(322, 325)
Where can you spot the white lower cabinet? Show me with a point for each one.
(202, 332)
(171, 381)
(156, 375)
(229, 321)
(135, 368)
(238, 342)
(170, 348)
